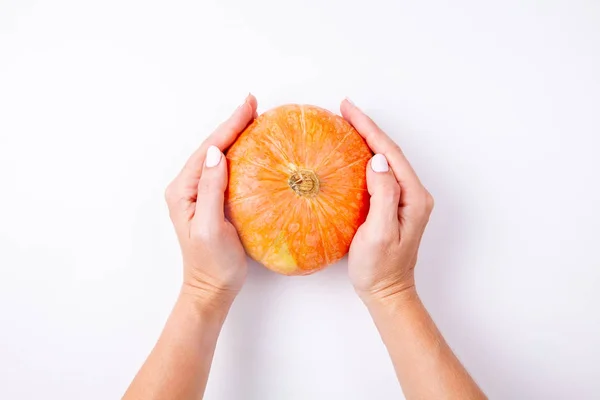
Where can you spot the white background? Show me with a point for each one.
(496, 103)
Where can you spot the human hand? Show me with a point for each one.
(384, 250)
(213, 257)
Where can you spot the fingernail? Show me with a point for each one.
(350, 101)
(213, 157)
(379, 163)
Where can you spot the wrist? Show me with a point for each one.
(396, 287)
(396, 297)
(207, 300)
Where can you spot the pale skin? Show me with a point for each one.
(381, 266)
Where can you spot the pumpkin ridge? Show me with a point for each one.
(304, 134)
(358, 189)
(316, 214)
(324, 160)
(325, 213)
(341, 169)
(242, 231)
(283, 227)
(333, 204)
(287, 138)
(284, 155)
(338, 198)
(245, 159)
(239, 200)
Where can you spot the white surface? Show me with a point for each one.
(497, 105)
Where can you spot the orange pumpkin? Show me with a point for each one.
(297, 188)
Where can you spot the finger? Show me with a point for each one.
(381, 143)
(385, 195)
(222, 137)
(211, 190)
(181, 193)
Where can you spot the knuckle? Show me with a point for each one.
(429, 202)
(375, 241)
(395, 147)
(205, 186)
(199, 235)
(207, 233)
(211, 183)
(170, 194)
(391, 190)
(381, 240)
(425, 205)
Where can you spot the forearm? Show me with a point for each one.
(425, 365)
(178, 366)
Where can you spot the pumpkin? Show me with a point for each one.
(297, 188)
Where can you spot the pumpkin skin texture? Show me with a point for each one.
(297, 188)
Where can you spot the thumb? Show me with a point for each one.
(385, 194)
(211, 188)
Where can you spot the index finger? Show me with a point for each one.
(222, 137)
(182, 192)
(381, 143)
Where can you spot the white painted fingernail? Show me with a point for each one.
(379, 163)
(213, 157)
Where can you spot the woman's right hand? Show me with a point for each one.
(381, 265)
(384, 250)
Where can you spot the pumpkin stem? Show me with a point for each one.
(304, 182)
